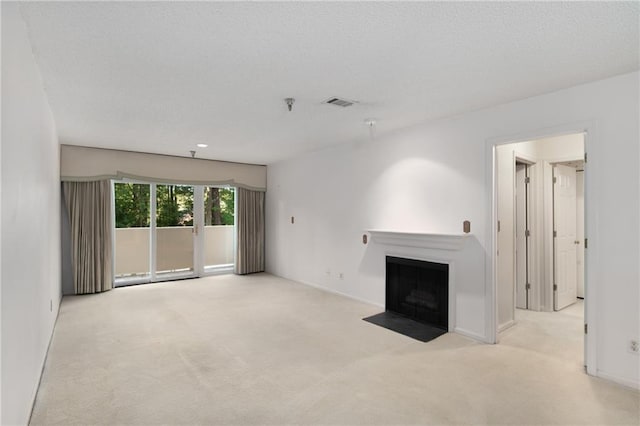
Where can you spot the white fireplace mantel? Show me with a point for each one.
(418, 239)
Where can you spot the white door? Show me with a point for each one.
(580, 229)
(565, 247)
(521, 237)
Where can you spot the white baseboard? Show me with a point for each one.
(630, 383)
(329, 290)
(471, 335)
(44, 362)
(506, 325)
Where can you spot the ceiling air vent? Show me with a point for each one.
(339, 102)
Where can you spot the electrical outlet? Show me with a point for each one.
(634, 346)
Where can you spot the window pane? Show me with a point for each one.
(174, 221)
(219, 230)
(132, 230)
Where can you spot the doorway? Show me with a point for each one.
(522, 225)
(538, 240)
(171, 231)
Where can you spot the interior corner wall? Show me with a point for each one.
(30, 221)
(505, 259)
(433, 176)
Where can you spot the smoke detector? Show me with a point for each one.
(341, 102)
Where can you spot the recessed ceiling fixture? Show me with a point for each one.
(341, 102)
(202, 145)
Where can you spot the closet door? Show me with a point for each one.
(565, 242)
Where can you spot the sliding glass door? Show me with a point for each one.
(174, 257)
(167, 231)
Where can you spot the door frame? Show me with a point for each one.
(591, 267)
(530, 215)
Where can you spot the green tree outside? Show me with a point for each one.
(174, 205)
(219, 206)
(132, 205)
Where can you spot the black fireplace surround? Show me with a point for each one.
(417, 298)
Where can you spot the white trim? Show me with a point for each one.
(419, 240)
(523, 158)
(218, 269)
(634, 384)
(124, 282)
(506, 325)
(113, 232)
(471, 335)
(591, 260)
(514, 243)
(235, 229)
(547, 293)
(491, 293)
(330, 290)
(198, 230)
(153, 213)
(554, 161)
(44, 363)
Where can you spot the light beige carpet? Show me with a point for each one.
(263, 350)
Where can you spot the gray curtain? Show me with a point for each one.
(89, 207)
(250, 237)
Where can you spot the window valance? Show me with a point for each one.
(89, 164)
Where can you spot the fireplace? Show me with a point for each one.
(417, 298)
(418, 290)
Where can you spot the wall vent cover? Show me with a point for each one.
(341, 102)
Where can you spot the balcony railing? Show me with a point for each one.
(174, 249)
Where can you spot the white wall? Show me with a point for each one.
(505, 254)
(30, 221)
(433, 176)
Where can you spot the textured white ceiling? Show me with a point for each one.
(161, 77)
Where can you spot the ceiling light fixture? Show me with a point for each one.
(289, 102)
(202, 145)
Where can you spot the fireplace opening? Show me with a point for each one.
(417, 298)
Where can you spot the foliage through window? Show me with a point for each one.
(219, 206)
(132, 205)
(174, 205)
